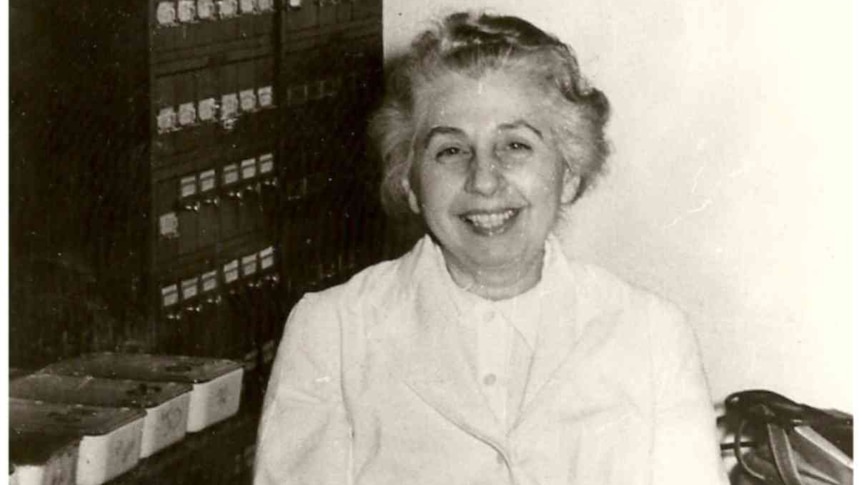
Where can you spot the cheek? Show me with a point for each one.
(546, 184)
(438, 188)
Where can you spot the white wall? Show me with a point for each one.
(729, 189)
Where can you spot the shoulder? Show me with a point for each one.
(636, 305)
(601, 283)
(379, 285)
(320, 321)
(642, 329)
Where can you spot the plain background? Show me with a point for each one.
(729, 190)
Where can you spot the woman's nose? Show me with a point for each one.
(484, 177)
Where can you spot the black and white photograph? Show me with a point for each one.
(431, 242)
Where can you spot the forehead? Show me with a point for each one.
(468, 103)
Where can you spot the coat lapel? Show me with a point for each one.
(556, 341)
(569, 310)
(436, 363)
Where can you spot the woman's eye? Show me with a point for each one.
(515, 151)
(450, 153)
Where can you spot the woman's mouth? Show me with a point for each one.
(490, 223)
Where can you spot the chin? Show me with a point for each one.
(500, 253)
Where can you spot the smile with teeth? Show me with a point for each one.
(489, 221)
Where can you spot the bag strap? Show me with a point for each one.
(740, 456)
(782, 454)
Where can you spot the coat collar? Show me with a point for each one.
(437, 365)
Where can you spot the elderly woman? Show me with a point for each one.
(484, 355)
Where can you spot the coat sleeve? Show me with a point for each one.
(304, 434)
(686, 448)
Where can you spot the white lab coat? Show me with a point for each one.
(372, 385)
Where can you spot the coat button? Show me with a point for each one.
(489, 379)
(500, 459)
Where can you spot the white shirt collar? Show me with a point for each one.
(521, 311)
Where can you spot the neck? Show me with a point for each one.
(497, 283)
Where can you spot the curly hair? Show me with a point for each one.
(474, 44)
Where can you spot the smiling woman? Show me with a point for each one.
(487, 181)
(484, 355)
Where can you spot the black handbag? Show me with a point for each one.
(777, 441)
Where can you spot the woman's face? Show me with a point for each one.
(487, 178)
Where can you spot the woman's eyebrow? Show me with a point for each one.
(521, 124)
(440, 130)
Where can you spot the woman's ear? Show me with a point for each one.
(571, 184)
(412, 199)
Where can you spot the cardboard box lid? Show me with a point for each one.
(68, 419)
(95, 391)
(145, 367)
